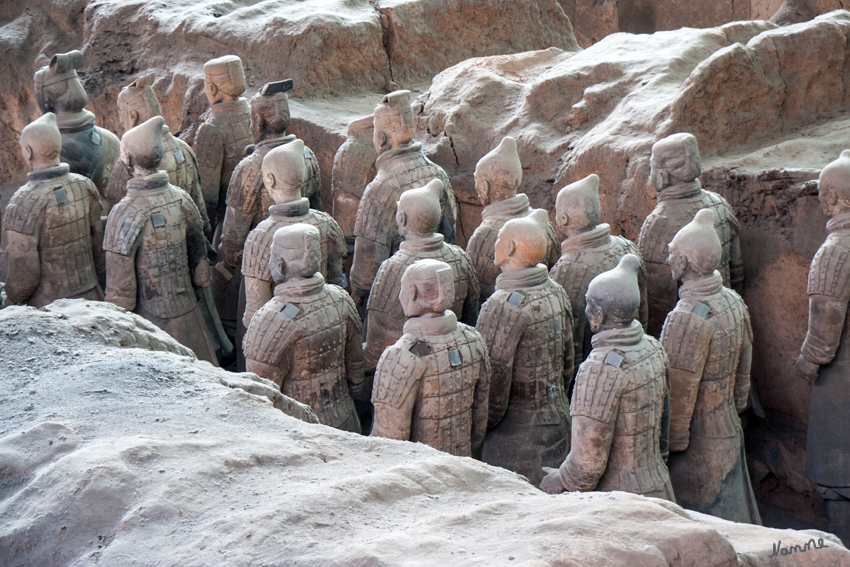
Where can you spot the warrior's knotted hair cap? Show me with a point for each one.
(286, 163)
(580, 198)
(529, 235)
(699, 243)
(502, 167)
(679, 156)
(139, 94)
(62, 66)
(616, 291)
(433, 278)
(227, 74)
(43, 136)
(142, 145)
(422, 207)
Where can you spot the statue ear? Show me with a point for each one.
(401, 218)
(485, 191)
(383, 138)
(271, 179)
(134, 117)
(679, 263)
(414, 292)
(213, 89)
(281, 265)
(28, 153)
(445, 280)
(831, 198)
(563, 219)
(511, 248)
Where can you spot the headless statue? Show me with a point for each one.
(675, 166)
(306, 339)
(708, 341)
(88, 150)
(589, 250)
(431, 386)
(497, 177)
(824, 359)
(418, 218)
(400, 166)
(53, 228)
(618, 400)
(527, 324)
(156, 256)
(137, 103)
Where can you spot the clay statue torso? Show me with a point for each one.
(482, 245)
(302, 333)
(442, 377)
(353, 169)
(386, 316)
(57, 209)
(89, 150)
(583, 257)
(623, 383)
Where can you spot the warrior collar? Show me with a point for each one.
(427, 244)
(270, 143)
(72, 122)
(440, 325)
(389, 155)
(229, 107)
(838, 222)
(516, 206)
(527, 277)
(625, 336)
(296, 208)
(300, 287)
(49, 172)
(708, 285)
(598, 236)
(158, 180)
(680, 191)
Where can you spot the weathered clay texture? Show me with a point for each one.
(154, 446)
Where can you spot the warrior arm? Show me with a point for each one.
(502, 328)
(471, 304)
(24, 266)
(736, 262)
(368, 256)
(196, 245)
(354, 362)
(96, 227)
(643, 310)
(569, 351)
(209, 150)
(336, 252)
(195, 189)
(117, 187)
(257, 293)
(448, 224)
(742, 377)
(276, 374)
(396, 387)
(826, 323)
(661, 293)
(121, 279)
(590, 446)
(553, 246)
(237, 225)
(480, 404)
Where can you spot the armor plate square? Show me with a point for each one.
(515, 299)
(178, 155)
(60, 195)
(95, 137)
(701, 310)
(454, 357)
(290, 311)
(421, 348)
(158, 220)
(614, 359)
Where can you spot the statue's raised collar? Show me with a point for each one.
(440, 325)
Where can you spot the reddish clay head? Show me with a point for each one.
(295, 252)
(41, 142)
(393, 122)
(141, 147)
(675, 160)
(499, 173)
(137, 102)
(270, 110)
(577, 206)
(613, 297)
(427, 287)
(834, 186)
(696, 248)
(522, 242)
(284, 171)
(57, 86)
(224, 79)
(419, 210)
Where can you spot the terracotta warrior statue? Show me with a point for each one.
(306, 339)
(248, 200)
(137, 103)
(87, 149)
(156, 256)
(354, 169)
(708, 341)
(53, 229)
(497, 177)
(284, 172)
(401, 166)
(618, 400)
(527, 324)
(418, 219)
(589, 250)
(675, 166)
(220, 141)
(824, 359)
(432, 385)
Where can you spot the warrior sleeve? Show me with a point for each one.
(237, 225)
(354, 373)
(276, 374)
(643, 310)
(502, 326)
(480, 401)
(368, 256)
(195, 190)
(448, 224)
(569, 347)
(121, 241)
(209, 150)
(257, 294)
(196, 244)
(736, 261)
(829, 291)
(552, 245)
(336, 252)
(314, 191)
(471, 304)
(22, 222)
(96, 227)
(686, 339)
(397, 382)
(117, 187)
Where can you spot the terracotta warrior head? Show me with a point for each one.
(498, 174)
(57, 86)
(834, 186)
(141, 147)
(613, 297)
(284, 171)
(224, 79)
(137, 102)
(393, 121)
(427, 288)
(41, 142)
(270, 110)
(295, 252)
(577, 207)
(675, 160)
(521, 242)
(419, 210)
(695, 250)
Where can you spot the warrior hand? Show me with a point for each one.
(806, 370)
(551, 483)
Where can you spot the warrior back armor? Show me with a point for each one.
(58, 213)
(89, 150)
(306, 336)
(445, 370)
(154, 223)
(626, 384)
